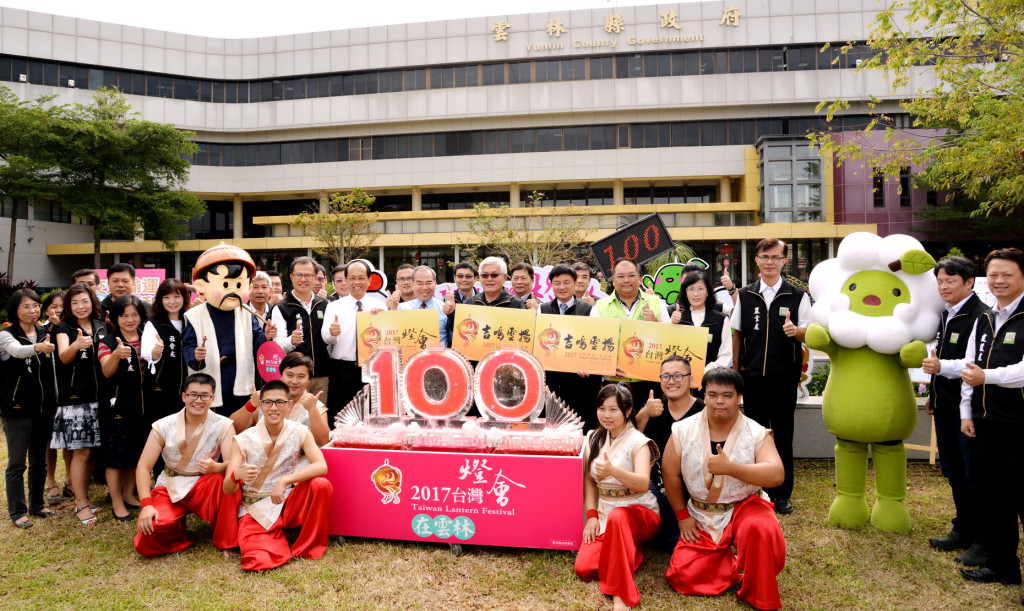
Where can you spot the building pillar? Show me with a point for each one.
(618, 193)
(743, 263)
(177, 264)
(725, 190)
(514, 200)
(324, 198)
(831, 248)
(417, 199)
(380, 258)
(236, 217)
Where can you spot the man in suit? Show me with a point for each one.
(424, 284)
(576, 389)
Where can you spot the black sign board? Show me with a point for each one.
(640, 241)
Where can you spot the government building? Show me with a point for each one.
(696, 111)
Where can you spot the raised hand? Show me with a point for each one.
(82, 342)
(931, 364)
(531, 302)
(603, 465)
(449, 301)
(309, 401)
(653, 407)
(246, 472)
(973, 375)
(719, 464)
(648, 313)
(122, 352)
(677, 316)
(158, 348)
(335, 329)
(788, 327)
(296, 337)
(45, 347)
(201, 350)
(392, 300)
(271, 331)
(727, 283)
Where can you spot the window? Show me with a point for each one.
(905, 187)
(878, 188)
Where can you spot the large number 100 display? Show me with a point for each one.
(439, 384)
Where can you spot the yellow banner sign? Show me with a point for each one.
(577, 343)
(644, 345)
(481, 329)
(410, 330)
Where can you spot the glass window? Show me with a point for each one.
(808, 196)
(905, 187)
(808, 169)
(518, 72)
(601, 67)
(779, 171)
(781, 196)
(780, 217)
(493, 74)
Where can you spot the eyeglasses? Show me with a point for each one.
(201, 396)
(673, 377)
(303, 276)
(772, 258)
(490, 276)
(464, 276)
(404, 279)
(278, 403)
(30, 306)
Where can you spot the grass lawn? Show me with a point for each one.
(60, 564)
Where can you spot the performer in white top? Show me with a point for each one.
(723, 459)
(277, 491)
(190, 442)
(622, 514)
(296, 371)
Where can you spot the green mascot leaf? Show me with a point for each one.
(916, 262)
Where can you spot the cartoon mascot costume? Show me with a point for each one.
(875, 305)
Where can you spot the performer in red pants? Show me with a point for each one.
(724, 459)
(622, 513)
(279, 467)
(190, 442)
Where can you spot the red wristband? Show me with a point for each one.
(682, 514)
(591, 513)
(249, 406)
(146, 502)
(238, 482)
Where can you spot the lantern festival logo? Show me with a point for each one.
(467, 330)
(633, 348)
(370, 337)
(548, 340)
(388, 481)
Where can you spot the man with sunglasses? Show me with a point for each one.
(769, 323)
(190, 443)
(493, 271)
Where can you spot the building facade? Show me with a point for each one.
(696, 111)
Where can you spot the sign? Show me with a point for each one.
(447, 497)
(268, 361)
(479, 330)
(640, 241)
(577, 343)
(147, 281)
(644, 345)
(411, 330)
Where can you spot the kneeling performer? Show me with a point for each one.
(279, 467)
(724, 459)
(190, 442)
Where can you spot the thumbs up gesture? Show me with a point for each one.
(296, 337)
(648, 313)
(973, 375)
(727, 283)
(677, 316)
(719, 464)
(122, 352)
(531, 302)
(335, 327)
(45, 347)
(393, 300)
(82, 341)
(788, 327)
(654, 407)
(449, 301)
(603, 465)
(201, 350)
(158, 348)
(931, 364)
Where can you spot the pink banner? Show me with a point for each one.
(478, 499)
(147, 281)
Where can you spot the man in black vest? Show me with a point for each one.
(769, 322)
(576, 389)
(992, 411)
(956, 287)
(300, 317)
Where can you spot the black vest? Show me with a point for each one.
(766, 351)
(125, 386)
(79, 380)
(713, 321)
(170, 370)
(312, 344)
(26, 384)
(953, 339)
(993, 350)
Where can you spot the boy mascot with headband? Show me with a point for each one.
(875, 305)
(221, 337)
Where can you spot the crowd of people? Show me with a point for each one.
(144, 399)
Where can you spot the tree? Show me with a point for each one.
(125, 176)
(27, 165)
(344, 232)
(545, 236)
(976, 50)
(951, 220)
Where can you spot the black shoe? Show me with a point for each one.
(987, 575)
(127, 518)
(975, 556)
(131, 507)
(950, 542)
(783, 506)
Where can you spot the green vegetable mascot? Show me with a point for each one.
(874, 304)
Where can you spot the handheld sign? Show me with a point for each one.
(640, 241)
(268, 361)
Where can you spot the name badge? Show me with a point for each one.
(319, 314)
(953, 337)
(784, 311)
(1010, 337)
(710, 338)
